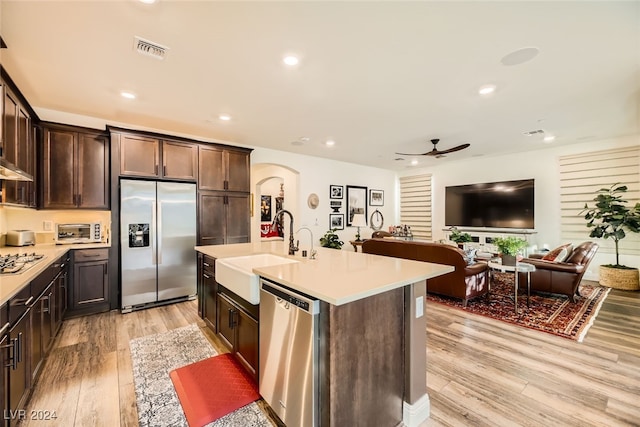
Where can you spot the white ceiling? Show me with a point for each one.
(376, 77)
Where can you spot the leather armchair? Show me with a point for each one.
(561, 277)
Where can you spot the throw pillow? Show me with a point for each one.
(470, 255)
(558, 254)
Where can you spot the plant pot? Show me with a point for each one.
(508, 259)
(619, 278)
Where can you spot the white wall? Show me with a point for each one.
(315, 175)
(541, 165)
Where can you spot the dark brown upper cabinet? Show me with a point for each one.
(179, 160)
(221, 169)
(139, 156)
(155, 158)
(75, 169)
(18, 148)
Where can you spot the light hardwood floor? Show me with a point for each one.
(480, 372)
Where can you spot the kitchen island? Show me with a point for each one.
(372, 362)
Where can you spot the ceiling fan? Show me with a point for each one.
(438, 153)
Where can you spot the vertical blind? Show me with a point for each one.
(581, 176)
(415, 205)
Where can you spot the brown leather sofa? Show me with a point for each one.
(466, 282)
(561, 277)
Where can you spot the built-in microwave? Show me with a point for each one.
(78, 233)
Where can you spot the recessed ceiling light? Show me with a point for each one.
(147, 1)
(549, 138)
(520, 56)
(414, 162)
(291, 60)
(330, 143)
(128, 95)
(487, 89)
(224, 117)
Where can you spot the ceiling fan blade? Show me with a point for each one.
(454, 149)
(414, 154)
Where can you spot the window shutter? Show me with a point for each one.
(581, 176)
(415, 205)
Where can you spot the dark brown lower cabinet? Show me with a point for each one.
(210, 289)
(19, 372)
(90, 282)
(239, 331)
(62, 295)
(223, 218)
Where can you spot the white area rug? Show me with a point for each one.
(153, 357)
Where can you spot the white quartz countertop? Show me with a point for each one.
(11, 284)
(335, 276)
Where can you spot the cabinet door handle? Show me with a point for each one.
(19, 343)
(164, 170)
(155, 169)
(206, 276)
(206, 264)
(27, 302)
(48, 300)
(229, 315)
(79, 199)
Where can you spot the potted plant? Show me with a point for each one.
(458, 237)
(331, 240)
(609, 218)
(509, 248)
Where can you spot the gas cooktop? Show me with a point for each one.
(18, 263)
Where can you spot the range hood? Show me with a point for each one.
(10, 172)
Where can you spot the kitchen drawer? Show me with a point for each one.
(86, 255)
(209, 264)
(40, 283)
(20, 303)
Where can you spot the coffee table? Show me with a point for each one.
(520, 267)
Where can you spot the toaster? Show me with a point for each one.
(20, 238)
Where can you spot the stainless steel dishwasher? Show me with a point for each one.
(288, 375)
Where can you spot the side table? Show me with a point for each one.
(356, 243)
(520, 267)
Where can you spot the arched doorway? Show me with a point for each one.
(265, 181)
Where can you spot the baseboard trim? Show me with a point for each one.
(414, 415)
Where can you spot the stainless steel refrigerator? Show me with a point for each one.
(157, 237)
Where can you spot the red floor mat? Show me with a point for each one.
(213, 388)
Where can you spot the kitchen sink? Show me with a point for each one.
(236, 273)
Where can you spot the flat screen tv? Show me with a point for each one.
(506, 204)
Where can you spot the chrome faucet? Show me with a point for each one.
(312, 253)
(292, 248)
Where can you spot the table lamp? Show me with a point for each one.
(358, 221)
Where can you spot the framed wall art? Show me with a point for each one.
(376, 198)
(356, 202)
(336, 221)
(265, 208)
(335, 191)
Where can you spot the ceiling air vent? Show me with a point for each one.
(149, 48)
(534, 132)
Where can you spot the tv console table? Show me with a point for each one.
(483, 238)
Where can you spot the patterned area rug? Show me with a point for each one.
(153, 357)
(553, 314)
